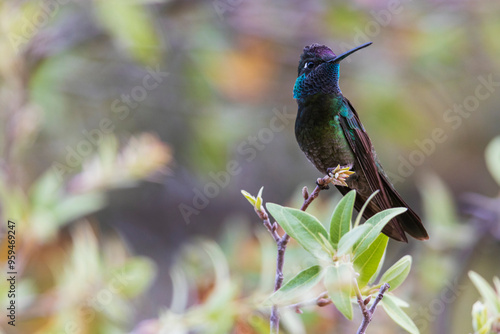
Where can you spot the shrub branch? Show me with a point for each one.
(336, 176)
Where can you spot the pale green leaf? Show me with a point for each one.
(77, 206)
(131, 27)
(376, 223)
(46, 189)
(133, 277)
(367, 263)
(298, 285)
(303, 227)
(491, 299)
(398, 301)
(398, 315)
(493, 158)
(338, 282)
(249, 197)
(360, 213)
(350, 238)
(480, 322)
(258, 202)
(397, 273)
(379, 268)
(496, 283)
(326, 244)
(260, 191)
(341, 218)
(438, 202)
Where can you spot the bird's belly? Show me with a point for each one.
(326, 148)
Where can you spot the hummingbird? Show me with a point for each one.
(330, 133)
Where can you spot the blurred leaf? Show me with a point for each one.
(46, 189)
(47, 89)
(367, 263)
(258, 202)
(397, 273)
(376, 223)
(480, 322)
(491, 299)
(249, 197)
(135, 276)
(493, 158)
(302, 227)
(338, 282)
(398, 315)
(77, 206)
(496, 283)
(292, 322)
(340, 223)
(296, 286)
(398, 301)
(259, 324)
(130, 25)
(438, 201)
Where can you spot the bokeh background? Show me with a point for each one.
(130, 127)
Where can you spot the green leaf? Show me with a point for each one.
(367, 263)
(258, 202)
(135, 276)
(139, 38)
(76, 206)
(298, 285)
(303, 227)
(493, 158)
(376, 223)
(249, 197)
(480, 322)
(398, 315)
(350, 238)
(399, 302)
(338, 282)
(496, 283)
(490, 297)
(379, 268)
(360, 213)
(396, 274)
(341, 218)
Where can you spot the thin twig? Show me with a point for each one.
(321, 300)
(368, 313)
(337, 176)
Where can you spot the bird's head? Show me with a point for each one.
(318, 69)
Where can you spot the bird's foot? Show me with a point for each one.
(321, 184)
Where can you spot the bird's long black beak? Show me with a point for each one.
(345, 54)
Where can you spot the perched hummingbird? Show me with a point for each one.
(330, 133)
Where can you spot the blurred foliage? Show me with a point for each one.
(486, 314)
(91, 90)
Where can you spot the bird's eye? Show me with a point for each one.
(309, 64)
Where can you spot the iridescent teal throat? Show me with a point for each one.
(306, 85)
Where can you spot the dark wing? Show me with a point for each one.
(388, 197)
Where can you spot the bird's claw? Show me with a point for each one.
(321, 185)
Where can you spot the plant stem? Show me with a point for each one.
(280, 259)
(337, 177)
(368, 313)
